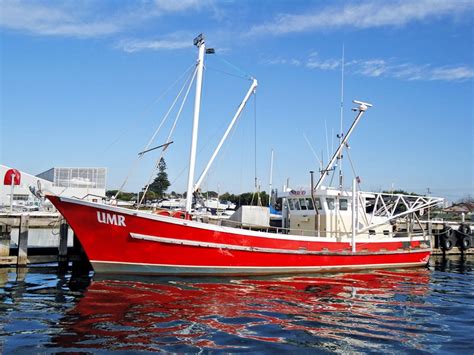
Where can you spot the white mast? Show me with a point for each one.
(198, 42)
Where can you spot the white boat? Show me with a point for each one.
(216, 204)
(172, 203)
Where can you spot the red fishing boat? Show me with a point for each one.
(323, 229)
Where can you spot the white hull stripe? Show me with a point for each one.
(124, 267)
(193, 243)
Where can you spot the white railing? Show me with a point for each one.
(392, 206)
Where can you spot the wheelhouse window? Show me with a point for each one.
(330, 202)
(343, 204)
(297, 205)
(306, 204)
(294, 204)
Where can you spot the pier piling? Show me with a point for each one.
(63, 231)
(5, 231)
(23, 240)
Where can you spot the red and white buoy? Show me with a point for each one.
(12, 177)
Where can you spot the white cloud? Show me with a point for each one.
(367, 14)
(85, 19)
(44, 20)
(410, 72)
(136, 45)
(373, 67)
(452, 73)
(315, 63)
(280, 61)
(384, 68)
(179, 5)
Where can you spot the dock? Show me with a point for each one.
(37, 238)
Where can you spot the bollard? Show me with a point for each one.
(23, 240)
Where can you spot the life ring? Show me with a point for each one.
(465, 243)
(163, 213)
(446, 243)
(180, 215)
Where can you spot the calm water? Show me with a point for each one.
(389, 311)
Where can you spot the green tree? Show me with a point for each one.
(161, 182)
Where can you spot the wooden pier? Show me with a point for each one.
(65, 246)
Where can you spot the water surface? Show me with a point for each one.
(390, 311)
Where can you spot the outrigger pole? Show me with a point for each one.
(198, 42)
(251, 90)
(363, 106)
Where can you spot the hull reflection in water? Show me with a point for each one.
(343, 312)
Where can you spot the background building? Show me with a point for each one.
(88, 183)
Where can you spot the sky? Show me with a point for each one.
(87, 83)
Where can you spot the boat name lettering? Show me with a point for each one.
(298, 192)
(108, 218)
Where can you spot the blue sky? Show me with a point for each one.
(82, 84)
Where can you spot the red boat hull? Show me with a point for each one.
(118, 240)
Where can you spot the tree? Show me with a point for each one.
(466, 199)
(161, 182)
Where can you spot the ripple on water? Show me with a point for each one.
(414, 310)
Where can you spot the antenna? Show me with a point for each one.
(327, 139)
(340, 135)
(271, 182)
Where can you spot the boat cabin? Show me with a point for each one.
(326, 213)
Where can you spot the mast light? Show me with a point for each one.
(199, 40)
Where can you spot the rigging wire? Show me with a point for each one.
(327, 139)
(149, 107)
(227, 73)
(169, 138)
(312, 149)
(332, 176)
(207, 142)
(244, 74)
(134, 165)
(352, 166)
(222, 155)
